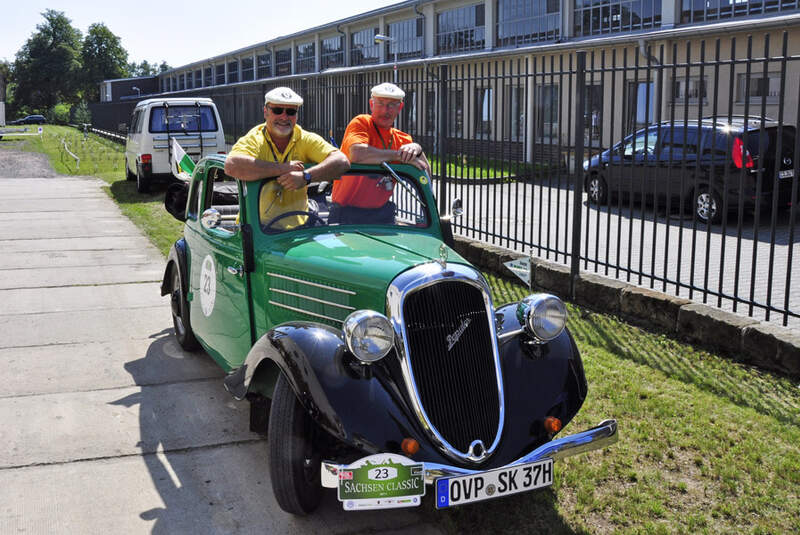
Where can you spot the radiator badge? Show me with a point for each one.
(452, 339)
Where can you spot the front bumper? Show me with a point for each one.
(600, 436)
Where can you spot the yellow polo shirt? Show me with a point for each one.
(305, 146)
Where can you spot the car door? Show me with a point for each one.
(631, 165)
(220, 308)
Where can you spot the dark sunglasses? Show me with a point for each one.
(279, 111)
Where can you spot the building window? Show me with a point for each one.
(264, 65)
(484, 112)
(709, 10)
(208, 80)
(547, 111)
(430, 113)
(521, 22)
(594, 17)
(332, 53)
(514, 113)
(220, 75)
(198, 78)
(460, 30)
(305, 60)
(409, 39)
(409, 112)
(593, 113)
(692, 89)
(247, 69)
(363, 49)
(233, 72)
(641, 105)
(455, 112)
(283, 62)
(181, 82)
(759, 87)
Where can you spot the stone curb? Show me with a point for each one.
(766, 345)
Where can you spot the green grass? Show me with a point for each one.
(467, 167)
(706, 445)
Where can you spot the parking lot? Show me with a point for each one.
(108, 426)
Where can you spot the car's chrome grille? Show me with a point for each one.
(452, 358)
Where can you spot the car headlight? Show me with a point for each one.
(368, 334)
(543, 315)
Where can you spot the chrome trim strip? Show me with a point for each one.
(309, 283)
(602, 435)
(509, 334)
(416, 279)
(301, 296)
(293, 309)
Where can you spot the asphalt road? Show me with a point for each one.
(107, 425)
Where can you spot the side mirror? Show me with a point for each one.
(210, 219)
(457, 208)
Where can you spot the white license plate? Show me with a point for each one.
(493, 484)
(789, 173)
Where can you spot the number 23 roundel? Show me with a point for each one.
(208, 285)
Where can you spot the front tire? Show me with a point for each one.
(142, 182)
(180, 313)
(597, 189)
(128, 174)
(294, 461)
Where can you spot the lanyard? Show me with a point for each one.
(381, 136)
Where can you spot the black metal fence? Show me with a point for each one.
(675, 132)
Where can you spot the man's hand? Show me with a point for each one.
(409, 152)
(295, 165)
(292, 180)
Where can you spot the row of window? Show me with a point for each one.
(463, 29)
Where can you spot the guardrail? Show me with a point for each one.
(66, 148)
(109, 135)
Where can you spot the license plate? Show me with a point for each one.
(789, 173)
(493, 483)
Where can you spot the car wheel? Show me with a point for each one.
(142, 182)
(294, 461)
(128, 174)
(598, 189)
(180, 313)
(707, 206)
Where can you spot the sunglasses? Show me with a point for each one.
(280, 111)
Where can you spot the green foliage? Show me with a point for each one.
(47, 69)
(81, 114)
(58, 114)
(103, 58)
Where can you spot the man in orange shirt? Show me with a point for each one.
(371, 139)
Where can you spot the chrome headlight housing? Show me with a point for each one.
(544, 316)
(369, 335)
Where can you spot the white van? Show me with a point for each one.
(193, 122)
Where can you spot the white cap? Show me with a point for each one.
(283, 96)
(387, 90)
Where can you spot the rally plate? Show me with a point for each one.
(493, 483)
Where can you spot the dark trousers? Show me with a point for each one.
(351, 215)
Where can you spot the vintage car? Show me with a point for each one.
(372, 355)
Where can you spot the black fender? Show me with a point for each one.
(359, 405)
(177, 257)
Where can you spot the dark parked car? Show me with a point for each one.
(707, 166)
(30, 119)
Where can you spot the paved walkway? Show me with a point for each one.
(108, 427)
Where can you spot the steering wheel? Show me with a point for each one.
(312, 220)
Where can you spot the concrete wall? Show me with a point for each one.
(746, 340)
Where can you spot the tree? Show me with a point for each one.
(47, 67)
(145, 68)
(103, 58)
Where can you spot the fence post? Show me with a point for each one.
(577, 169)
(442, 139)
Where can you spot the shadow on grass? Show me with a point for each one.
(124, 192)
(745, 386)
(528, 512)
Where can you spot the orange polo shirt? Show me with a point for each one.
(362, 191)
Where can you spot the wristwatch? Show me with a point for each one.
(307, 176)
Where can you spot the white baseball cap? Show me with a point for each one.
(283, 96)
(387, 90)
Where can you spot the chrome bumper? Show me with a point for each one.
(600, 436)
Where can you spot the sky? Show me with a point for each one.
(179, 31)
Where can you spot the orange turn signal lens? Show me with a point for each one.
(552, 425)
(409, 446)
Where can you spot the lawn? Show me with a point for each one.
(706, 445)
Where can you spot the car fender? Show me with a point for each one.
(357, 404)
(177, 257)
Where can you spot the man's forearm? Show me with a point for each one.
(361, 153)
(248, 168)
(332, 166)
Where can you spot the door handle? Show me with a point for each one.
(235, 270)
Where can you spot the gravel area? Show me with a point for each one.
(20, 164)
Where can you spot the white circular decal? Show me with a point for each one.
(208, 285)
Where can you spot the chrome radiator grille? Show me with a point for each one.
(451, 355)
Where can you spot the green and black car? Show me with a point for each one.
(372, 355)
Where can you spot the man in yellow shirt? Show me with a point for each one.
(278, 149)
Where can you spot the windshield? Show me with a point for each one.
(355, 199)
(182, 118)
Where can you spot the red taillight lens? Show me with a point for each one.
(741, 155)
(147, 158)
(221, 152)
